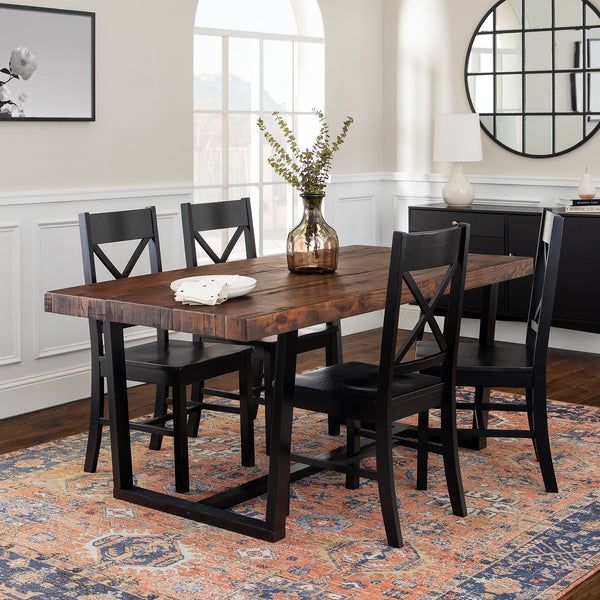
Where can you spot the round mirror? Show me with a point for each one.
(533, 75)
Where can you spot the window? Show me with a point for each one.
(253, 57)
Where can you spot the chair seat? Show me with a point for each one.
(349, 390)
(499, 364)
(180, 355)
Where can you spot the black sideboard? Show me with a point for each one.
(498, 229)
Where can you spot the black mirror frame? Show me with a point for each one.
(553, 28)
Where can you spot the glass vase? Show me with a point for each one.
(312, 246)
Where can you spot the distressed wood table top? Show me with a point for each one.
(281, 302)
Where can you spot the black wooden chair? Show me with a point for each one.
(200, 218)
(372, 397)
(166, 363)
(503, 364)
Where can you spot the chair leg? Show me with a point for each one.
(257, 379)
(95, 430)
(333, 426)
(480, 420)
(352, 449)
(334, 356)
(540, 419)
(180, 439)
(246, 418)
(269, 372)
(194, 418)
(423, 450)
(451, 461)
(529, 400)
(385, 482)
(160, 409)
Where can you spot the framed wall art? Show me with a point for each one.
(47, 64)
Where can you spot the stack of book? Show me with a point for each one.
(581, 206)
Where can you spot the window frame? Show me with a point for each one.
(225, 112)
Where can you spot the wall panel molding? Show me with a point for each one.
(40, 254)
(41, 351)
(363, 216)
(13, 320)
(44, 359)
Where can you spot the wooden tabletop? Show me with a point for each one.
(281, 302)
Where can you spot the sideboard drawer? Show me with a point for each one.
(482, 224)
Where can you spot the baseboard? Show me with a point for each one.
(30, 394)
(362, 323)
(509, 331)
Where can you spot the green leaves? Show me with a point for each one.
(306, 170)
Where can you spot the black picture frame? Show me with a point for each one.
(60, 11)
(585, 114)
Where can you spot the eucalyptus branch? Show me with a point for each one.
(306, 170)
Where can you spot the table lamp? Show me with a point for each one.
(457, 141)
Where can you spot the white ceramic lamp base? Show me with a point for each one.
(458, 191)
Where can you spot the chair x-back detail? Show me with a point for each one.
(137, 253)
(503, 364)
(166, 363)
(426, 318)
(371, 398)
(237, 214)
(234, 214)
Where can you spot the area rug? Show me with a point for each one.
(62, 535)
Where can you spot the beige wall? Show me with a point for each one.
(416, 80)
(425, 44)
(143, 133)
(354, 71)
(391, 64)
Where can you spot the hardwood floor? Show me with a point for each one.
(572, 377)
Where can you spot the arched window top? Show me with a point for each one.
(283, 17)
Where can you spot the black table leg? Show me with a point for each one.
(120, 441)
(213, 510)
(487, 331)
(278, 489)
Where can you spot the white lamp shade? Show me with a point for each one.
(457, 138)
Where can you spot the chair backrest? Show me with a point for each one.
(411, 253)
(199, 218)
(120, 226)
(543, 291)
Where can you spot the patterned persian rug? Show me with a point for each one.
(62, 535)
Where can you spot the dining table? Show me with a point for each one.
(281, 303)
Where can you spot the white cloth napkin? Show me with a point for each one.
(207, 291)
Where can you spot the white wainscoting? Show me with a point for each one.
(396, 192)
(355, 206)
(44, 358)
(10, 304)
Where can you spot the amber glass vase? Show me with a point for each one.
(312, 246)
